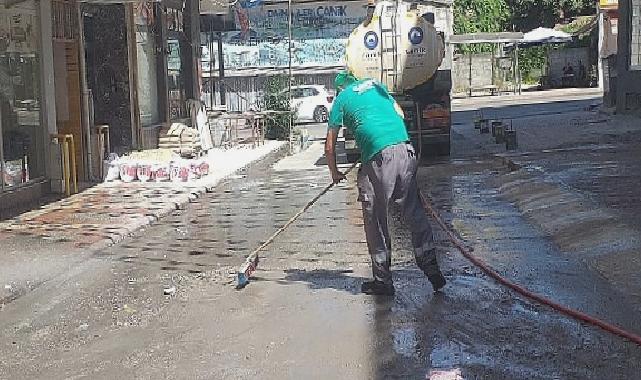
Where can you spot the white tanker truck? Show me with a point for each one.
(403, 45)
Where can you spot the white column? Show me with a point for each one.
(600, 48)
(85, 99)
(53, 168)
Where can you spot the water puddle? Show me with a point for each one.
(406, 342)
(446, 355)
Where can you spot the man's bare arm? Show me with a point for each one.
(330, 153)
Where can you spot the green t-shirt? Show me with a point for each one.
(367, 110)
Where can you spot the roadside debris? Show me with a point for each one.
(454, 374)
(170, 291)
(157, 166)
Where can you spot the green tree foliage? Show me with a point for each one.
(532, 62)
(276, 98)
(473, 16)
(531, 14)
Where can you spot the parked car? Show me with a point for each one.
(312, 103)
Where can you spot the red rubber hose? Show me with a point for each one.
(575, 314)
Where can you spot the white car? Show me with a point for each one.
(312, 103)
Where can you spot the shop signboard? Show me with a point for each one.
(319, 33)
(609, 4)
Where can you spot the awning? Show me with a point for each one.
(545, 36)
(484, 38)
(580, 26)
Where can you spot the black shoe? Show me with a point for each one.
(377, 288)
(438, 281)
(432, 271)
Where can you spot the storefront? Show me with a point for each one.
(67, 66)
(22, 133)
(139, 67)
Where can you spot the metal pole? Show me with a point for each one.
(514, 69)
(493, 55)
(101, 152)
(518, 68)
(470, 73)
(221, 70)
(211, 64)
(547, 65)
(65, 164)
(1, 155)
(289, 78)
(74, 168)
(381, 44)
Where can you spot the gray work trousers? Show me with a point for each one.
(391, 177)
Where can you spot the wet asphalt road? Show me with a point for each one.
(162, 304)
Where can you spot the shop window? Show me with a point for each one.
(635, 35)
(21, 132)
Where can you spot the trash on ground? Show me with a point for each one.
(170, 291)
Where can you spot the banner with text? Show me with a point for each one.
(319, 34)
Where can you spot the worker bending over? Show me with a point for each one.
(387, 174)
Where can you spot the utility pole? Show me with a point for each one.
(212, 63)
(221, 71)
(289, 76)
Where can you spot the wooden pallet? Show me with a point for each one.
(180, 138)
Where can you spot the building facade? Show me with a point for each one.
(628, 61)
(251, 42)
(24, 125)
(141, 82)
(69, 66)
(608, 18)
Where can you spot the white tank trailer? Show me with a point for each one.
(405, 46)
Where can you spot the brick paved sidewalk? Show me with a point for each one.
(108, 212)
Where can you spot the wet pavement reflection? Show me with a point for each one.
(480, 329)
(221, 228)
(167, 293)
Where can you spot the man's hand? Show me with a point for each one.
(338, 177)
(330, 153)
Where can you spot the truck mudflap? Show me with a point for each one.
(435, 145)
(428, 123)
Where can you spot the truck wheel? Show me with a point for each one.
(320, 114)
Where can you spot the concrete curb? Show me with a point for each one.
(508, 159)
